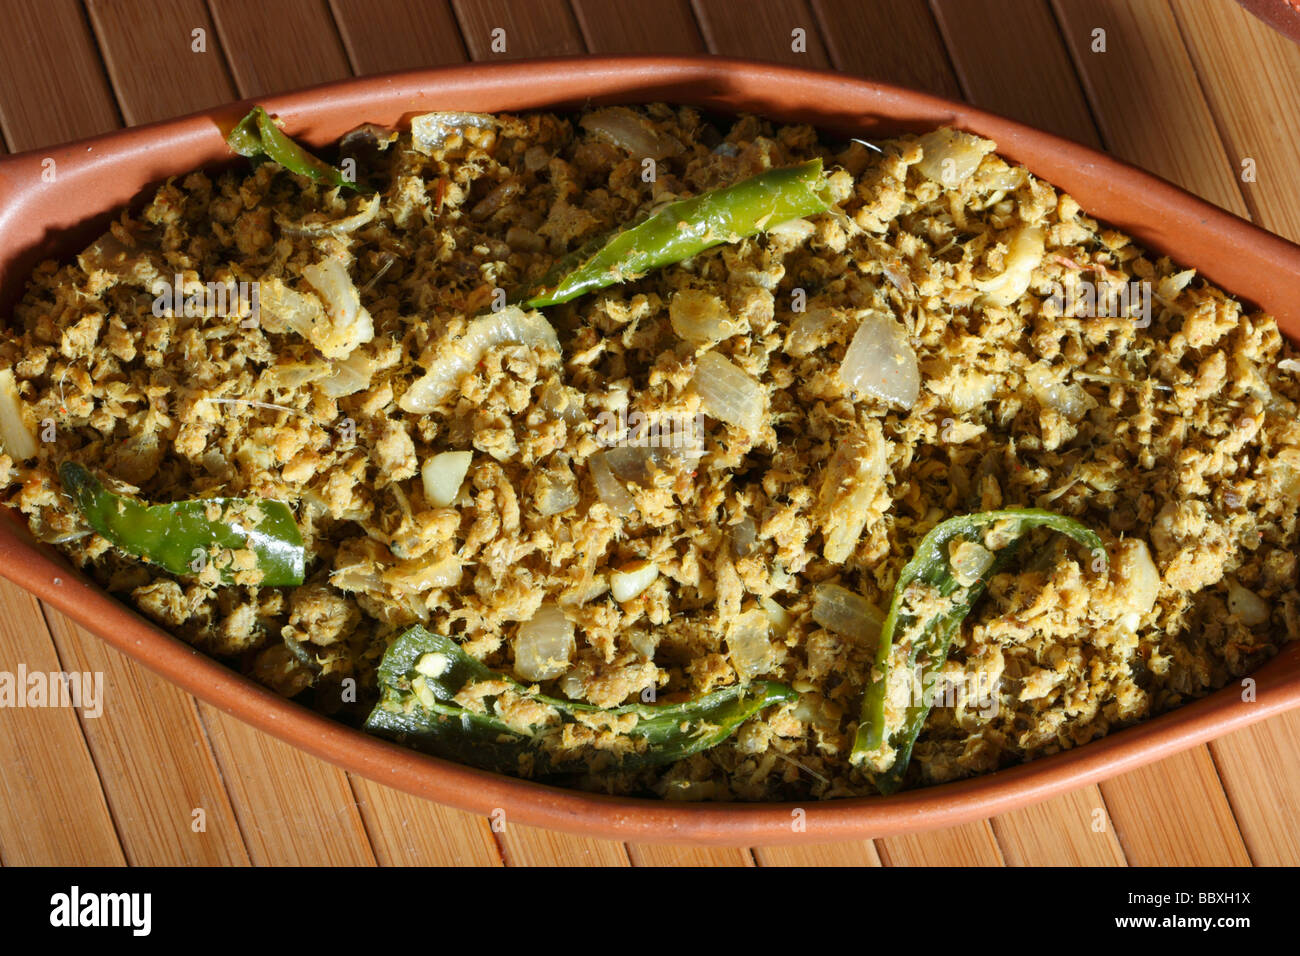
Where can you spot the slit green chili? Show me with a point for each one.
(184, 537)
(683, 229)
(930, 566)
(257, 135)
(422, 672)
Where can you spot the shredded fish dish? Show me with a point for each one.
(653, 452)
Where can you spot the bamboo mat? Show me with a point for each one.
(1188, 89)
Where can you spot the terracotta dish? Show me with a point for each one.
(40, 219)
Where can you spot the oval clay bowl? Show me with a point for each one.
(94, 177)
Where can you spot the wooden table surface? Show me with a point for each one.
(1190, 89)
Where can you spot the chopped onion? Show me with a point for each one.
(350, 375)
(458, 358)
(728, 393)
(777, 616)
(335, 227)
(792, 232)
(443, 474)
(1137, 581)
(637, 463)
(1072, 401)
(850, 615)
(629, 130)
(349, 323)
(430, 130)
(951, 156)
(19, 443)
(544, 644)
(1024, 253)
(557, 492)
(744, 535)
(421, 575)
(1246, 605)
(852, 481)
(969, 561)
(608, 488)
(631, 579)
(749, 645)
(880, 361)
(701, 318)
(811, 330)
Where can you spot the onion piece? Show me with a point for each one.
(19, 443)
(749, 645)
(458, 358)
(812, 330)
(628, 130)
(349, 324)
(779, 617)
(334, 227)
(969, 561)
(544, 644)
(880, 361)
(728, 393)
(350, 375)
(430, 130)
(850, 615)
(744, 535)
(701, 318)
(1024, 253)
(556, 491)
(1136, 581)
(1246, 605)
(1072, 400)
(630, 580)
(608, 488)
(951, 156)
(443, 474)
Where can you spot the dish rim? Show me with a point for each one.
(318, 114)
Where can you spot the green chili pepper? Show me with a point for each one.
(185, 536)
(422, 673)
(932, 636)
(257, 135)
(683, 229)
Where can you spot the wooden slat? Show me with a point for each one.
(1174, 813)
(848, 853)
(1144, 94)
(1073, 829)
(972, 844)
(54, 88)
(530, 846)
(52, 808)
(152, 756)
(147, 46)
(1010, 58)
(1257, 768)
(761, 31)
(662, 854)
(897, 42)
(1250, 75)
(293, 809)
(273, 47)
(407, 831)
(384, 35)
(639, 26)
(537, 28)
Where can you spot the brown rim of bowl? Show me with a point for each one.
(104, 173)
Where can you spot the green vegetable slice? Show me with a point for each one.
(422, 673)
(930, 566)
(683, 229)
(257, 135)
(184, 537)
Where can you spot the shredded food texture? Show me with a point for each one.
(1176, 437)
